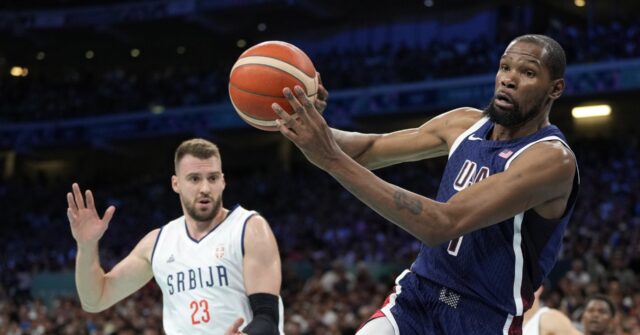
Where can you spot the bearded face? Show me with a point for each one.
(522, 86)
(200, 184)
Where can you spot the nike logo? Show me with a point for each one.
(171, 259)
(473, 137)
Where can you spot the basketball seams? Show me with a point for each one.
(280, 65)
(267, 55)
(310, 96)
(262, 94)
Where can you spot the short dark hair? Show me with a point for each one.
(196, 147)
(602, 297)
(554, 56)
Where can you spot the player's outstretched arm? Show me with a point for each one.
(542, 175)
(427, 141)
(262, 276)
(97, 290)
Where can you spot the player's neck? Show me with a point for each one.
(502, 133)
(199, 229)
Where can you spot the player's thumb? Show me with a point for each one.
(108, 214)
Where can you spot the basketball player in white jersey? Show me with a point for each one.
(541, 320)
(216, 267)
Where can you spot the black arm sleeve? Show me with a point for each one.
(266, 315)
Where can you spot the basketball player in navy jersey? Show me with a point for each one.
(493, 232)
(218, 268)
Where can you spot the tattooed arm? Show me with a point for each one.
(540, 178)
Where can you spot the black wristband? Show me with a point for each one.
(266, 315)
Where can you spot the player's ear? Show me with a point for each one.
(557, 87)
(224, 182)
(174, 183)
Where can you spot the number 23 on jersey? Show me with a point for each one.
(199, 312)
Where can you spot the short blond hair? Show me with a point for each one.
(196, 147)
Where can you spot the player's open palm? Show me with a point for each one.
(86, 225)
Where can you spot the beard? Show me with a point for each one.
(201, 216)
(512, 118)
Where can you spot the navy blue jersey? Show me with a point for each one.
(503, 264)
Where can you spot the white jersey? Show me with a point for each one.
(532, 327)
(202, 281)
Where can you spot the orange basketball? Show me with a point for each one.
(259, 75)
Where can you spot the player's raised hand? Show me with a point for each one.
(86, 225)
(234, 329)
(307, 129)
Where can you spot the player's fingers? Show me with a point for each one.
(303, 98)
(298, 109)
(89, 196)
(320, 105)
(309, 109)
(108, 214)
(285, 118)
(323, 94)
(78, 196)
(70, 216)
(71, 202)
(286, 131)
(284, 115)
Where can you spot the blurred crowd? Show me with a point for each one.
(80, 92)
(339, 257)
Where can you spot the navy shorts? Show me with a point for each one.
(421, 307)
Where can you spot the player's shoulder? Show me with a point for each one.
(257, 226)
(147, 243)
(463, 117)
(257, 219)
(553, 154)
(451, 124)
(152, 235)
(247, 215)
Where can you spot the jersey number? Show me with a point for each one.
(204, 314)
(454, 246)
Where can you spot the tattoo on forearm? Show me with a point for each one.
(403, 201)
